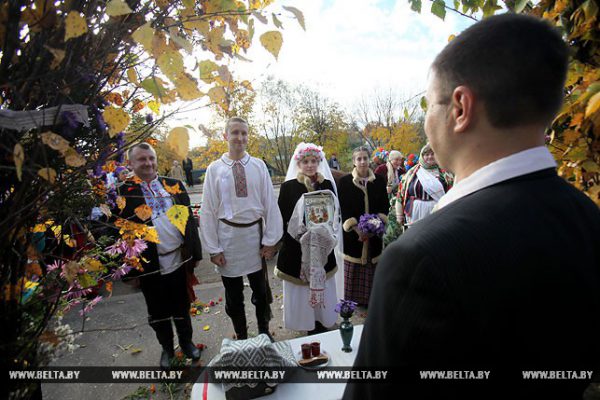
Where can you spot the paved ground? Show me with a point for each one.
(117, 334)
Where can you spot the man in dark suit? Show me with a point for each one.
(188, 166)
(168, 266)
(505, 275)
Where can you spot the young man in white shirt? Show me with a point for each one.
(240, 226)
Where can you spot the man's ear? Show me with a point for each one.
(463, 106)
(225, 136)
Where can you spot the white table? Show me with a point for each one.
(331, 342)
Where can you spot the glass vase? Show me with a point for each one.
(346, 331)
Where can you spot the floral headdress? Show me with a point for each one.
(380, 155)
(308, 150)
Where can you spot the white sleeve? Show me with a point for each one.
(273, 229)
(209, 222)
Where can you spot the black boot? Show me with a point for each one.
(240, 326)
(164, 334)
(263, 327)
(184, 333)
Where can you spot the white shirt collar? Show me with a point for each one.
(518, 164)
(244, 160)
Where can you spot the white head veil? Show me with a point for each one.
(323, 169)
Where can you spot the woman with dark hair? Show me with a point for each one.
(361, 192)
(421, 188)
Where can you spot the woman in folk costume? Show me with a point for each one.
(395, 170)
(307, 262)
(421, 188)
(362, 192)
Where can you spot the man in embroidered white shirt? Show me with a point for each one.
(167, 277)
(240, 226)
(505, 275)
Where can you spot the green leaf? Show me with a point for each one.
(154, 86)
(406, 116)
(298, 14)
(207, 68)
(251, 29)
(276, 21)
(520, 5)
(423, 103)
(86, 281)
(415, 5)
(438, 8)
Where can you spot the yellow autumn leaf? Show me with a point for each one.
(207, 68)
(69, 241)
(217, 94)
(92, 265)
(39, 228)
(132, 76)
(143, 212)
(121, 202)
(48, 174)
(18, 158)
(170, 63)
(272, 41)
(247, 85)
(151, 235)
(58, 55)
(214, 38)
(178, 215)
(114, 8)
(451, 38)
(206, 328)
(593, 105)
(144, 35)
(75, 25)
(174, 189)
(178, 139)
(55, 142)
(187, 88)
(57, 230)
(73, 158)
(117, 120)
(154, 106)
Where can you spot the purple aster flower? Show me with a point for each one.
(99, 119)
(90, 305)
(120, 142)
(138, 247)
(120, 272)
(371, 223)
(345, 307)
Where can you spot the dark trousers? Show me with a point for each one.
(234, 302)
(167, 298)
(189, 178)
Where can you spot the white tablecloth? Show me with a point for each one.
(331, 342)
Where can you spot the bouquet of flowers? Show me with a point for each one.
(371, 223)
(380, 155)
(345, 308)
